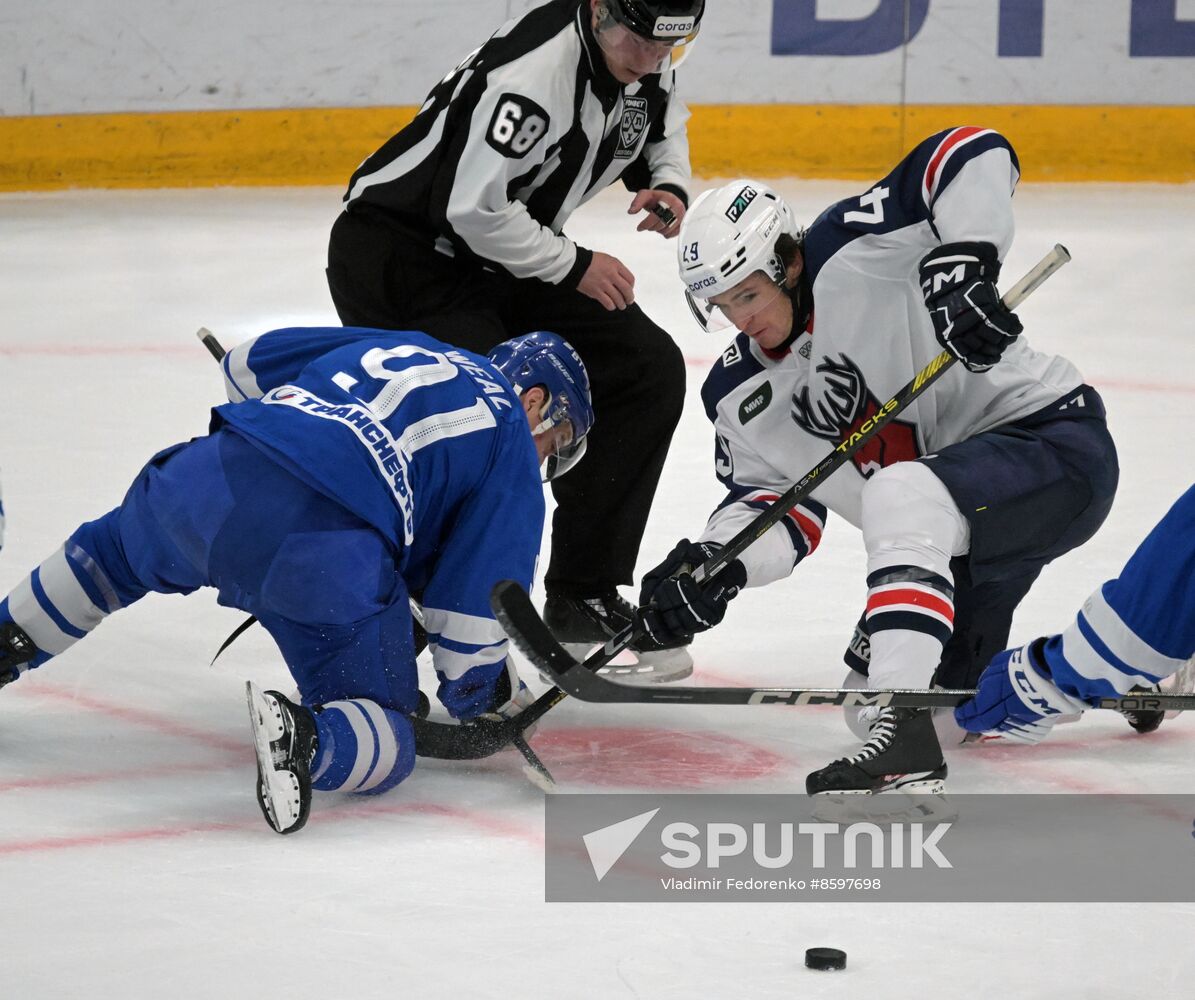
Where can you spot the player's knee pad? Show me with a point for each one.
(910, 519)
(363, 747)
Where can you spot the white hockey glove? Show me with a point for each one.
(511, 698)
(1016, 700)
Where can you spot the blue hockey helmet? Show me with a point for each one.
(544, 359)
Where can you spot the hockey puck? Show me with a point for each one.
(663, 213)
(825, 958)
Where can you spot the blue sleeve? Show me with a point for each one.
(1139, 627)
(277, 358)
(495, 537)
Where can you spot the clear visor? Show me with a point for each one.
(563, 459)
(554, 440)
(644, 55)
(743, 308)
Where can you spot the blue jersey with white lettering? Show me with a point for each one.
(1139, 627)
(426, 442)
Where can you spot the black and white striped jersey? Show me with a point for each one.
(530, 126)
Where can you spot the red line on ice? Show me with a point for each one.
(138, 717)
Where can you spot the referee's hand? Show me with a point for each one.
(665, 212)
(608, 280)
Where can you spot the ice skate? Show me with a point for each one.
(902, 752)
(285, 738)
(580, 624)
(16, 650)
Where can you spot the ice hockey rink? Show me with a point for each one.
(133, 859)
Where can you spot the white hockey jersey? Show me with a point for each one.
(777, 414)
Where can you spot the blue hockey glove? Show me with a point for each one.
(473, 693)
(958, 281)
(673, 606)
(1016, 699)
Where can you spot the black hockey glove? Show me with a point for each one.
(673, 606)
(958, 281)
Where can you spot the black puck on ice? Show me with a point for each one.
(825, 958)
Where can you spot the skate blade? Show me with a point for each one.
(915, 785)
(832, 807)
(657, 667)
(279, 789)
(919, 786)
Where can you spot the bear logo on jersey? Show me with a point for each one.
(844, 407)
(632, 127)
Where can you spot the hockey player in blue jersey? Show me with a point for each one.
(351, 470)
(1133, 632)
(1002, 465)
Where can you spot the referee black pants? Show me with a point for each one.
(385, 278)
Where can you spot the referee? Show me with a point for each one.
(455, 227)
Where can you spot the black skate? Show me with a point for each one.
(1143, 720)
(16, 650)
(285, 737)
(580, 623)
(902, 753)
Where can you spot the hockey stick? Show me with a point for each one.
(438, 740)
(520, 619)
(512, 611)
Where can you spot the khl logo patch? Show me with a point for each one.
(632, 127)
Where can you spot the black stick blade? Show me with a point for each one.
(445, 741)
(517, 615)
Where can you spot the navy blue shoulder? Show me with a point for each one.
(736, 365)
(905, 197)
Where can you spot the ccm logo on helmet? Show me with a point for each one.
(673, 26)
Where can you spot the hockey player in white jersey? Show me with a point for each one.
(353, 469)
(1002, 465)
(1133, 632)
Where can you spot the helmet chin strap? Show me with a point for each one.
(801, 296)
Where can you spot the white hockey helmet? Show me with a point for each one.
(729, 233)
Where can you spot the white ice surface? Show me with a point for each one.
(133, 859)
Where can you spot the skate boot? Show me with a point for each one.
(902, 752)
(286, 740)
(1143, 720)
(579, 624)
(16, 650)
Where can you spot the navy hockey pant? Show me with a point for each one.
(1031, 491)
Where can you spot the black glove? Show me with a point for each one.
(674, 606)
(958, 281)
